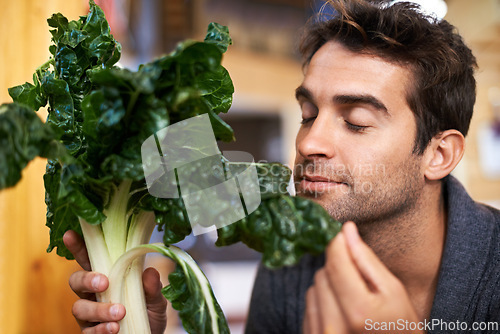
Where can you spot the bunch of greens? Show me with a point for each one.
(98, 117)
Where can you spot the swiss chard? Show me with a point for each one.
(99, 116)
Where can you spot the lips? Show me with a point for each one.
(313, 178)
(317, 183)
(319, 178)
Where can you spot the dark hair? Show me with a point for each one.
(443, 92)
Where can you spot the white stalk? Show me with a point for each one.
(97, 251)
(106, 242)
(115, 225)
(136, 319)
(179, 256)
(140, 230)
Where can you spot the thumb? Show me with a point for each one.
(156, 303)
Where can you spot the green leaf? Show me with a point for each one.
(171, 215)
(23, 136)
(60, 22)
(219, 35)
(283, 229)
(217, 88)
(67, 65)
(100, 43)
(187, 298)
(29, 95)
(190, 293)
(60, 216)
(222, 130)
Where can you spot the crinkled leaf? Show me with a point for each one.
(67, 65)
(23, 136)
(186, 297)
(283, 229)
(218, 35)
(100, 43)
(171, 215)
(29, 94)
(217, 88)
(60, 22)
(67, 198)
(60, 216)
(190, 293)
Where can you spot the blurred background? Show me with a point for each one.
(34, 295)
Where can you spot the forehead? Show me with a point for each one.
(335, 70)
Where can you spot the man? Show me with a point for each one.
(386, 101)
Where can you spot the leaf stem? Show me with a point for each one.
(115, 226)
(97, 251)
(196, 280)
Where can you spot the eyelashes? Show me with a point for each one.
(307, 120)
(352, 127)
(356, 128)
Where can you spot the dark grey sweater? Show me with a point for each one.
(468, 290)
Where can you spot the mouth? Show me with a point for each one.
(318, 184)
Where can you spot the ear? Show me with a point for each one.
(443, 154)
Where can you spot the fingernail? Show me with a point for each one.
(109, 328)
(96, 281)
(114, 310)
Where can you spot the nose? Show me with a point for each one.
(316, 140)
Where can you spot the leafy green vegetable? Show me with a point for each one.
(26, 137)
(99, 116)
(283, 229)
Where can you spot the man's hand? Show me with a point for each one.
(354, 289)
(94, 317)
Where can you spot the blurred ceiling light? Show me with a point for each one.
(435, 8)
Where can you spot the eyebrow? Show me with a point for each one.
(361, 99)
(344, 99)
(302, 91)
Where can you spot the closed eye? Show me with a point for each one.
(356, 128)
(307, 120)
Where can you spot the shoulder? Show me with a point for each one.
(471, 260)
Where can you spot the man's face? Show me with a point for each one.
(354, 148)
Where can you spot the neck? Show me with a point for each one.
(411, 246)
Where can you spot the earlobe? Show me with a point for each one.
(444, 152)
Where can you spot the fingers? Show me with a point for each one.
(88, 313)
(85, 284)
(351, 291)
(152, 289)
(331, 315)
(155, 301)
(107, 328)
(323, 314)
(75, 244)
(344, 277)
(312, 317)
(369, 265)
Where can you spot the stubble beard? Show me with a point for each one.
(371, 202)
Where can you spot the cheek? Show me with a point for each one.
(376, 160)
(366, 165)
